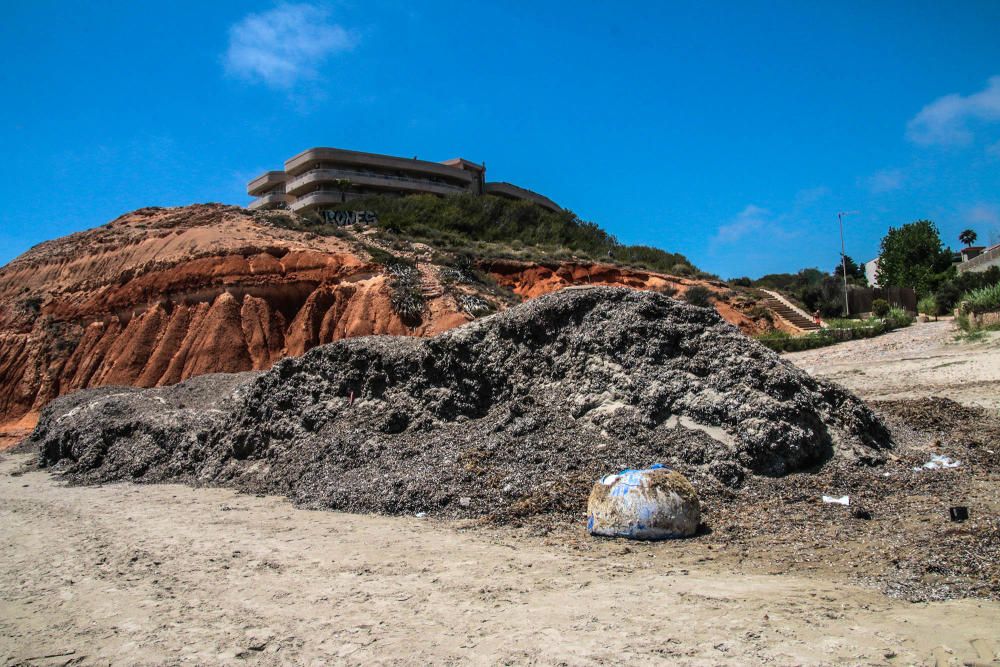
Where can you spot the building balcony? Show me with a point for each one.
(512, 191)
(314, 157)
(266, 182)
(311, 200)
(310, 180)
(269, 200)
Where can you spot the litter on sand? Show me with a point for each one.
(843, 500)
(939, 461)
(654, 503)
(959, 514)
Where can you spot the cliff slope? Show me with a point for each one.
(160, 295)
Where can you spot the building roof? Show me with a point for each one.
(462, 163)
(299, 163)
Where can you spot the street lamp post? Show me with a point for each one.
(843, 259)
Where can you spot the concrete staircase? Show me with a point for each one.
(791, 316)
(796, 317)
(430, 286)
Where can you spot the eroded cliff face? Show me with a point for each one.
(160, 295)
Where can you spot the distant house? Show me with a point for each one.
(871, 268)
(971, 252)
(978, 258)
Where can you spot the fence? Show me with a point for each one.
(861, 298)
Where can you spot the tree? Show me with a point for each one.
(968, 237)
(913, 256)
(950, 291)
(827, 297)
(343, 184)
(855, 272)
(790, 282)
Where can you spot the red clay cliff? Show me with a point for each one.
(159, 295)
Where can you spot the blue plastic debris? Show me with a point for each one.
(652, 503)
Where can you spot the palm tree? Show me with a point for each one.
(968, 237)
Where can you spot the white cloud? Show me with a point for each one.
(885, 180)
(756, 220)
(810, 196)
(945, 120)
(983, 214)
(285, 45)
(751, 219)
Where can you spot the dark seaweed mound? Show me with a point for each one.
(511, 415)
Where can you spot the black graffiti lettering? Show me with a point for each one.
(345, 218)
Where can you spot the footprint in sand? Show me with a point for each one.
(983, 653)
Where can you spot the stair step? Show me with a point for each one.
(792, 316)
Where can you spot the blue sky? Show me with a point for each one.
(732, 132)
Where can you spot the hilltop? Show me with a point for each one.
(163, 294)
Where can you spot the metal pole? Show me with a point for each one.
(843, 263)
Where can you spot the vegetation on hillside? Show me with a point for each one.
(983, 300)
(951, 292)
(496, 227)
(811, 288)
(839, 330)
(699, 296)
(913, 256)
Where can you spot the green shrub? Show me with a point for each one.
(699, 296)
(30, 306)
(880, 307)
(62, 336)
(847, 323)
(950, 292)
(404, 284)
(928, 306)
(898, 318)
(838, 331)
(777, 334)
(984, 299)
(758, 312)
(667, 290)
(489, 223)
(386, 258)
(779, 341)
(973, 336)
(282, 220)
(474, 305)
(404, 292)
